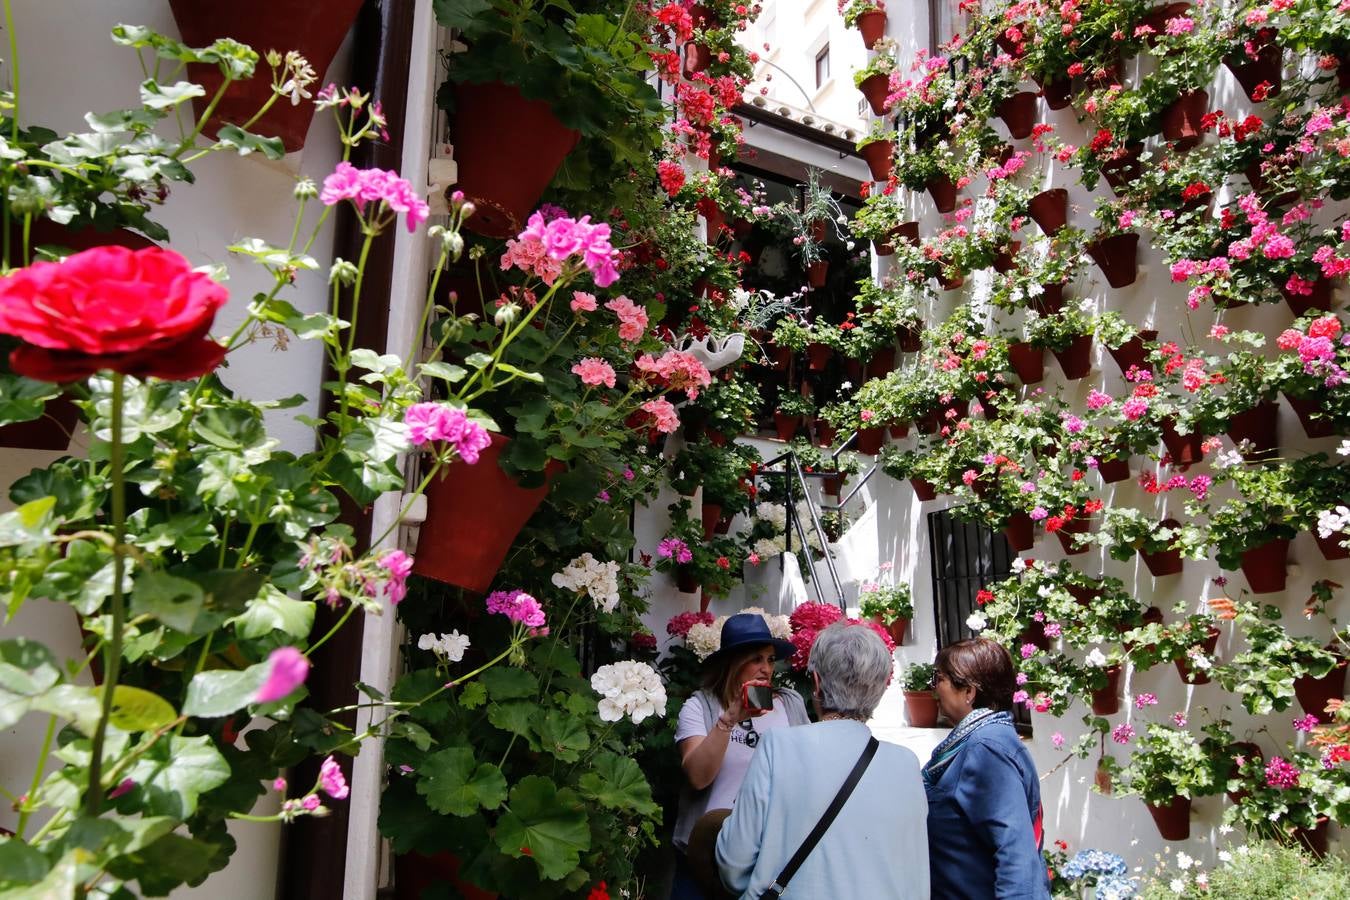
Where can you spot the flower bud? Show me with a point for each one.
(273, 58)
(506, 314)
(306, 189)
(342, 271)
(467, 209)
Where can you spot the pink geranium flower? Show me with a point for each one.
(331, 779)
(287, 670)
(594, 372)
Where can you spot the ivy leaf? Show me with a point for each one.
(546, 824)
(174, 601)
(457, 784)
(23, 399)
(459, 14)
(28, 525)
(617, 782)
(219, 692)
(20, 863)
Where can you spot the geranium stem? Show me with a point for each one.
(113, 657)
(351, 607)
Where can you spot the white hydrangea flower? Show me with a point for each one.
(977, 621)
(767, 547)
(773, 513)
(587, 575)
(629, 688)
(1096, 657)
(704, 640)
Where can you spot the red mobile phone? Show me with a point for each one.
(756, 697)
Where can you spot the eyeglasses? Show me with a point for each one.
(751, 735)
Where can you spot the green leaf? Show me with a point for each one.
(456, 784)
(84, 578)
(230, 428)
(135, 709)
(23, 399)
(272, 611)
(517, 718)
(408, 822)
(508, 683)
(459, 14)
(219, 692)
(27, 667)
(167, 96)
(173, 860)
(520, 373)
(445, 371)
(617, 782)
(61, 882)
(29, 524)
(546, 824)
(81, 705)
(562, 735)
(173, 773)
(246, 143)
(380, 363)
(478, 360)
(174, 601)
(473, 695)
(20, 863)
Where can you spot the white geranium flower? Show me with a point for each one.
(1333, 521)
(426, 641)
(977, 621)
(629, 688)
(1227, 459)
(1344, 448)
(587, 575)
(703, 640)
(1018, 566)
(449, 647)
(1096, 658)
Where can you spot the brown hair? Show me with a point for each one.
(719, 674)
(982, 664)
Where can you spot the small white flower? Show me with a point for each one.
(1227, 459)
(1225, 829)
(1184, 861)
(1096, 657)
(977, 621)
(426, 641)
(453, 645)
(1202, 879)
(1344, 448)
(1178, 886)
(629, 688)
(1018, 565)
(1225, 856)
(587, 575)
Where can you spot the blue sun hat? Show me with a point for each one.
(748, 630)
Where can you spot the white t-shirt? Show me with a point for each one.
(721, 794)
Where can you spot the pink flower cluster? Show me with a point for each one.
(1281, 774)
(1318, 348)
(517, 606)
(679, 625)
(675, 549)
(676, 370)
(563, 239)
(632, 318)
(362, 186)
(441, 422)
(331, 779)
(664, 417)
(287, 670)
(594, 371)
(807, 621)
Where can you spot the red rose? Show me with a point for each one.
(139, 312)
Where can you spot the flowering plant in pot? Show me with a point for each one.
(880, 215)
(1039, 274)
(1311, 370)
(877, 148)
(895, 303)
(1125, 531)
(1067, 333)
(1167, 769)
(1285, 794)
(1187, 54)
(1264, 674)
(921, 708)
(888, 605)
(874, 78)
(1189, 641)
(731, 404)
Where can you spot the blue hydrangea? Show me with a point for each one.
(1093, 862)
(1116, 887)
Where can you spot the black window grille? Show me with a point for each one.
(966, 557)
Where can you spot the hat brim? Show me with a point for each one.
(785, 649)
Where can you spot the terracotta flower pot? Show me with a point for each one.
(1163, 562)
(1027, 361)
(473, 515)
(899, 627)
(910, 338)
(1035, 635)
(1106, 701)
(785, 425)
(1173, 819)
(1186, 449)
(711, 512)
(870, 440)
(1181, 119)
(907, 232)
(1051, 299)
(900, 431)
(1302, 304)
(943, 191)
(1118, 258)
(881, 363)
(922, 489)
(780, 356)
(723, 524)
(1314, 839)
(817, 272)
(1018, 112)
(877, 155)
(1122, 171)
(1074, 526)
(921, 709)
(873, 27)
(697, 57)
(1004, 261)
(950, 282)
(825, 433)
(1264, 566)
(716, 222)
(832, 484)
(1157, 17)
(1260, 184)
(315, 30)
(1020, 531)
(1057, 92)
(1050, 210)
(1266, 68)
(1314, 426)
(818, 355)
(875, 88)
(1258, 425)
(1133, 352)
(1313, 693)
(1076, 359)
(883, 247)
(1331, 546)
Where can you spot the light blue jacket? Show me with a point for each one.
(876, 848)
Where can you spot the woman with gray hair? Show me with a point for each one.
(876, 845)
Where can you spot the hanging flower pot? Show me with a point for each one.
(715, 220)
(825, 433)
(1114, 470)
(817, 355)
(881, 362)
(1027, 361)
(832, 484)
(816, 273)
(875, 88)
(1162, 563)
(1076, 359)
(870, 440)
(910, 338)
(741, 228)
(950, 282)
(872, 24)
(883, 247)
(921, 709)
(1314, 425)
(1264, 566)
(1121, 171)
(1259, 426)
(1066, 535)
(1118, 258)
(922, 489)
(1331, 546)
(1181, 119)
(697, 57)
(1261, 185)
(1318, 297)
(943, 191)
(1173, 818)
(1018, 112)
(785, 425)
(315, 30)
(877, 155)
(900, 431)
(1057, 92)
(508, 149)
(1133, 352)
(1313, 693)
(1106, 701)
(1266, 68)
(1050, 210)
(473, 515)
(1020, 531)
(898, 628)
(1186, 449)
(685, 580)
(1157, 18)
(1003, 262)
(711, 512)
(716, 438)
(907, 232)
(780, 356)
(1051, 299)
(1246, 750)
(1314, 839)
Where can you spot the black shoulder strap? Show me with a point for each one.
(780, 883)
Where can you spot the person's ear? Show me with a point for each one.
(815, 682)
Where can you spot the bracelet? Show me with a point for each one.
(722, 726)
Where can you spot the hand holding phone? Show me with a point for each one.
(756, 698)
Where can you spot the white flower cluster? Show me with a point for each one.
(773, 513)
(1096, 658)
(977, 621)
(703, 640)
(448, 646)
(629, 688)
(779, 626)
(587, 575)
(1333, 521)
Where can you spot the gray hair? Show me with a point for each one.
(854, 667)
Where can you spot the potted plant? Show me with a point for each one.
(878, 221)
(1167, 769)
(873, 79)
(877, 148)
(790, 411)
(921, 706)
(887, 605)
(1067, 334)
(1114, 247)
(869, 17)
